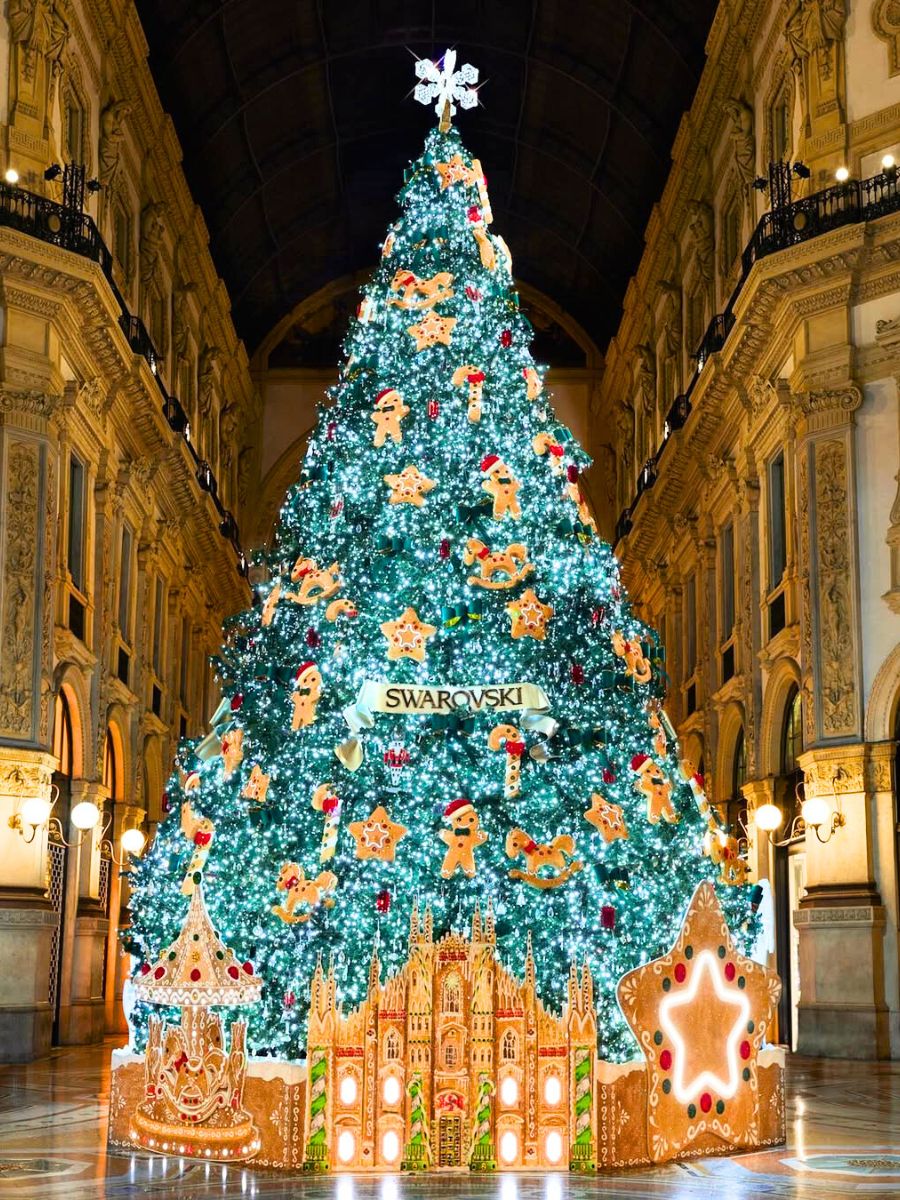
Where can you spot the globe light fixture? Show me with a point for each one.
(842, 174)
(768, 817)
(85, 815)
(133, 841)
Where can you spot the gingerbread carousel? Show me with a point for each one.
(193, 1080)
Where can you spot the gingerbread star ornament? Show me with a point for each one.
(701, 1014)
(409, 487)
(407, 636)
(529, 616)
(455, 171)
(607, 818)
(431, 330)
(377, 836)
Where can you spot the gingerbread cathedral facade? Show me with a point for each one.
(452, 1062)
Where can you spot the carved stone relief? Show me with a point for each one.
(886, 23)
(837, 681)
(19, 586)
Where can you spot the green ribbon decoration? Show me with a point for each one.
(453, 614)
(568, 527)
(614, 875)
(453, 724)
(614, 679)
(393, 546)
(473, 514)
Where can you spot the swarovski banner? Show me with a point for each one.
(377, 697)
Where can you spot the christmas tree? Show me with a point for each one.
(441, 696)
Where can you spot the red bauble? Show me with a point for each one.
(572, 473)
(289, 1000)
(312, 638)
(506, 338)
(236, 701)
(474, 213)
(166, 806)
(597, 616)
(472, 292)
(433, 410)
(331, 427)
(577, 673)
(336, 509)
(383, 901)
(444, 550)
(609, 775)
(607, 917)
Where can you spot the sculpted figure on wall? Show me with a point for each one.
(743, 138)
(153, 228)
(645, 376)
(112, 138)
(814, 32)
(700, 227)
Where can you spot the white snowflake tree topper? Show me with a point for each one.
(444, 84)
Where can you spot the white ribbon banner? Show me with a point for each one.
(431, 701)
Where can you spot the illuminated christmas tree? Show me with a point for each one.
(441, 697)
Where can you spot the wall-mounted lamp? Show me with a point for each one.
(816, 813)
(132, 840)
(36, 811)
(32, 813)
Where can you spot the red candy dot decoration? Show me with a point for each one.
(195, 975)
(745, 1050)
(665, 1060)
(145, 968)
(159, 972)
(248, 967)
(729, 971)
(680, 973)
(233, 971)
(706, 1102)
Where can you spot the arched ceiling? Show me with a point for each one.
(297, 121)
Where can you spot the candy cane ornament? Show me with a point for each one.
(325, 801)
(475, 379)
(510, 739)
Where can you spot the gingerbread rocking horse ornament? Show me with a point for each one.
(556, 858)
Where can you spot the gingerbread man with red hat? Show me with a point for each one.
(502, 486)
(461, 838)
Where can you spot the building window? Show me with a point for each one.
(451, 1054)
(726, 560)
(62, 735)
(452, 995)
(159, 603)
(110, 768)
(125, 570)
(696, 315)
(792, 739)
(690, 627)
(780, 124)
(738, 778)
(75, 546)
(392, 1045)
(75, 122)
(123, 247)
(509, 1046)
(185, 655)
(777, 529)
(731, 234)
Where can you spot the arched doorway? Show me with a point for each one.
(790, 866)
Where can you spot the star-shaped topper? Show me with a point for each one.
(431, 330)
(407, 636)
(529, 616)
(700, 1014)
(444, 84)
(607, 817)
(377, 836)
(408, 487)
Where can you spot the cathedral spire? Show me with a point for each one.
(573, 987)
(414, 923)
(374, 974)
(429, 925)
(587, 988)
(476, 923)
(529, 962)
(489, 933)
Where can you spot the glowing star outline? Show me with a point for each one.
(725, 995)
(529, 616)
(377, 836)
(409, 486)
(432, 329)
(407, 635)
(674, 1122)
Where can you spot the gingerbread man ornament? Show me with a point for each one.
(464, 834)
(389, 412)
(502, 486)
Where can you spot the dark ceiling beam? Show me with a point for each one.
(515, 161)
(632, 221)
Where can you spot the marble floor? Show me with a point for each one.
(843, 1141)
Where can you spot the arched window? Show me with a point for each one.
(62, 735)
(738, 778)
(392, 1045)
(110, 766)
(451, 1054)
(452, 995)
(509, 1046)
(792, 746)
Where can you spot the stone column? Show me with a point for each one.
(841, 920)
(28, 509)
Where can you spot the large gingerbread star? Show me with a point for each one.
(529, 616)
(377, 836)
(431, 330)
(607, 817)
(700, 1014)
(455, 171)
(407, 636)
(408, 487)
